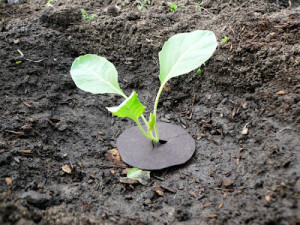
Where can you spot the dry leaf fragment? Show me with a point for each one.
(282, 92)
(221, 205)
(245, 131)
(235, 111)
(268, 198)
(166, 88)
(159, 191)
(125, 171)
(114, 156)
(245, 105)
(66, 169)
(8, 181)
(47, 166)
(16, 41)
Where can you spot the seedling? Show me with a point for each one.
(181, 54)
(225, 39)
(174, 6)
(143, 4)
(86, 17)
(199, 72)
(199, 6)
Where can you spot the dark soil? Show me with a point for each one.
(251, 82)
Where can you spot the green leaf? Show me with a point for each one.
(131, 108)
(185, 52)
(83, 13)
(140, 175)
(199, 72)
(225, 39)
(95, 74)
(151, 122)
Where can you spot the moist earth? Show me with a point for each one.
(243, 113)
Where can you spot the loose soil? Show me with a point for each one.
(243, 113)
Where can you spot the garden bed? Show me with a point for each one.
(243, 113)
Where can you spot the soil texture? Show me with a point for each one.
(243, 113)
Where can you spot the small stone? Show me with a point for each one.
(133, 16)
(147, 202)
(224, 100)
(227, 183)
(128, 197)
(113, 11)
(35, 198)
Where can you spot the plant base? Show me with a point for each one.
(137, 151)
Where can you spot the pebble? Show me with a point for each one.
(224, 100)
(227, 182)
(35, 198)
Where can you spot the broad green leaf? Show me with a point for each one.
(151, 122)
(95, 74)
(185, 52)
(131, 107)
(140, 175)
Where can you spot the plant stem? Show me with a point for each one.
(144, 133)
(155, 109)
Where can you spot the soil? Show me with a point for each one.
(243, 113)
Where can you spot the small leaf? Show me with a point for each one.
(66, 169)
(199, 72)
(140, 175)
(95, 74)
(185, 52)
(225, 39)
(151, 122)
(83, 13)
(8, 181)
(131, 108)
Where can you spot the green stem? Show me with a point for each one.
(143, 132)
(155, 109)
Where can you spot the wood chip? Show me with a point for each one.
(245, 131)
(282, 92)
(66, 169)
(27, 105)
(126, 180)
(26, 153)
(8, 181)
(268, 198)
(19, 133)
(221, 205)
(213, 216)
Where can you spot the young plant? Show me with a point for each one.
(181, 54)
(225, 39)
(174, 6)
(143, 4)
(86, 17)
